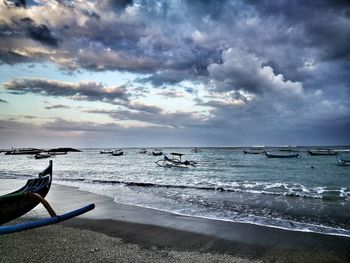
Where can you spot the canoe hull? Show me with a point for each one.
(16, 204)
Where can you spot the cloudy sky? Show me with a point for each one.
(174, 73)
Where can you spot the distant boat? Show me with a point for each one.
(58, 153)
(117, 152)
(63, 150)
(322, 152)
(105, 152)
(175, 162)
(42, 155)
(196, 150)
(342, 162)
(157, 153)
(254, 151)
(270, 155)
(23, 151)
(143, 151)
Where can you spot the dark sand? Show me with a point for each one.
(121, 233)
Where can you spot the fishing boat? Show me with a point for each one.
(21, 151)
(106, 152)
(20, 202)
(342, 162)
(254, 151)
(322, 152)
(175, 161)
(42, 155)
(63, 150)
(143, 151)
(196, 150)
(118, 152)
(58, 153)
(157, 153)
(270, 155)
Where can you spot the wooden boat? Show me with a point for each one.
(20, 202)
(143, 151)
(196, 150)
(42, 155)
(342, 162)
(58, 153)
(21, 151)
(254, 151)
(117, 152)
(322, 152)
(282, 155)
(157, 153)
(106, 152)
(63, 150)
(175, 161)
(16, 204)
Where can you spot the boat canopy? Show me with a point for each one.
(178, 154)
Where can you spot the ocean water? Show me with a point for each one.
(226, 185)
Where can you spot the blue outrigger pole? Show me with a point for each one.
(20, 202)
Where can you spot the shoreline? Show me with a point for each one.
(149, 228)
(237, 222)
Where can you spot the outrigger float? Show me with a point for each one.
(20, 202)
(175, 161)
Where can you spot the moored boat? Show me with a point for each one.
(143, 151)
(21, 151)
(118, 152)
(196, 150)
(106, 152)
(270, 155)
(254, 151)
(322, 152)
(175, 161)
(157, 153)
(42, 155)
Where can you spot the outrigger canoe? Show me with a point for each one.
(20, 202)
(282, 155)
(322, 152)
(175, 161)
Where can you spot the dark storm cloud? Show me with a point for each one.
(16, 3)
(90, 91)
(39, 33)
(274, 62)
(114, 4)
(188, 36)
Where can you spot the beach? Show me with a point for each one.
(115, 232)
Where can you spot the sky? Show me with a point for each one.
(124, 73)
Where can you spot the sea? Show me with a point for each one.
(310, 193)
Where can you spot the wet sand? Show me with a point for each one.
(123, 233)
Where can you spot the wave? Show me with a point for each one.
(292, 192)
(277, 223)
